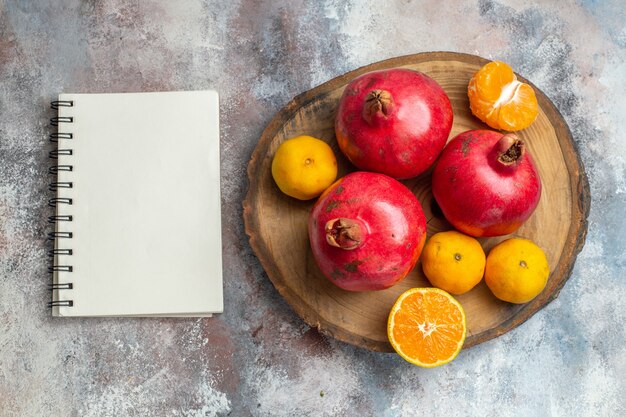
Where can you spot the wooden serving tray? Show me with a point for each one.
(277, 224)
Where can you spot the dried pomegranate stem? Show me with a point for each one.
(510, 149)
(344, 233)
(377, 102)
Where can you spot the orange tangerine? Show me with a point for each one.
(427, 327)
(453, 261)
(500, 100)
(517, 270)
(303, 167)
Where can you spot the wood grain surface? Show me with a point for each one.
(277, 224)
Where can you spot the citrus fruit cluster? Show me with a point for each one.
(516, 269)
(426, 326)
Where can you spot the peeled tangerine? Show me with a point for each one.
(486, 183)
(366, 231)
(499, 99)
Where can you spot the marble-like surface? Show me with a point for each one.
(259, 358)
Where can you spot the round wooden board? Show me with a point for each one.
(277, 224)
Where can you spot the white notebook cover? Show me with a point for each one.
(146, 224)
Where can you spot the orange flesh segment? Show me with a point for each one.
(517, 110)
(491, 80)
(427, 328)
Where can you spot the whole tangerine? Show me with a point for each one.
(453, 261)
(517, 270)
(303, 167)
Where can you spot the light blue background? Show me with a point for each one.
(259, 358)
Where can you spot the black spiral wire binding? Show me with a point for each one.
(61, 303)
(61, 103)
(56, 120)
(54, 137)
(54, 169)
(67, 286)
(53, 252)
(59, 218)
(53, 186)
(57, 235)
(55, 153)
(55, 202)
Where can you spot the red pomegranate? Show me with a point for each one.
(367, 231)
(395, 122)
(486, 183)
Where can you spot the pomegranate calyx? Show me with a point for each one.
(377, 102)
(510, 149)
(344, 233)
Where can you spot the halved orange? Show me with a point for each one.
(427, 327)
(500, 100)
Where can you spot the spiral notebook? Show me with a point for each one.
(137, 225)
